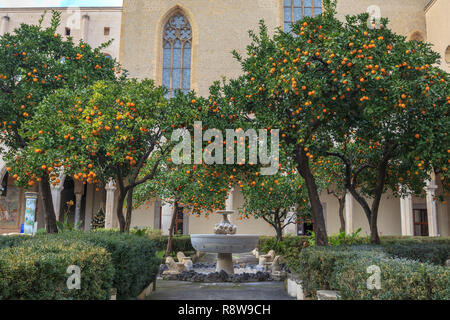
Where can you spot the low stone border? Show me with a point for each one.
(294, 287)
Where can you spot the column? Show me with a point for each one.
(109, 206)
(79, 191)
(56, 197)
(166, 217)
(85, 28)
(229, 204)
(348, 213)
(291, 217)
(4, 25)
(406, 216)
(432, 209)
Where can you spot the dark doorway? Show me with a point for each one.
(179, 221)
(420, 222)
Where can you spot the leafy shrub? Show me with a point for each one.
(36, 269)
(315, 266)
(281, 247)
(433, 252)
(12, 241)
(134, 259)
(401, 279)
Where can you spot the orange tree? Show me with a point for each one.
(330, 84)
(200, 189)
(328, 172)
(109, 130)
(272, 197)
(392, 132)
(34, 62)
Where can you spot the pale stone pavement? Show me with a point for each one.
(182, 290)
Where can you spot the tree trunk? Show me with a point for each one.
(172, 228)
(119, 211)
(313, 195)
(374, 238)
(49, 210)
(279, 233)
(341, 213)
(129, 210)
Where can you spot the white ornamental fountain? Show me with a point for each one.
(224, 242)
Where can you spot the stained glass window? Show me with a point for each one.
(295, 10)
(177, 45)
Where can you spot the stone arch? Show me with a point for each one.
(416, 36)
(160, 25)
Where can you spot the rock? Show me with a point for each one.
(223, 276)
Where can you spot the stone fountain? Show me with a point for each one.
(224, 242)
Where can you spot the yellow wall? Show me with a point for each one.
(438, 28)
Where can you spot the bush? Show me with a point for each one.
(401, 279)
(432, 252)
(281, 247)
(12, 241)
(134, 259)
(37, 269)
(315, 266)
(344, 269)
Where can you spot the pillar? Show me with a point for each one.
(85, 28)
(348, 213)
(291, 218)
(432, 209)
(56, 197)
(4, 25)
(406, 215)
(166, 217)
(109, 206)
(79, 191)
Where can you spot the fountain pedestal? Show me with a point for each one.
(224, 242)
(225, 263)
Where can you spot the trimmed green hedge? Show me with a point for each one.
(36, 270)
(12, 241)
(133, 259)
(432, 252)
(401, 279)
(344, 269)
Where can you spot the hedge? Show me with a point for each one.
(133, 257)
(37, 270)
(12, 241)
(433, 252)
(345, 269)
(401, 279)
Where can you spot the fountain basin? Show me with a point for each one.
(224, 243)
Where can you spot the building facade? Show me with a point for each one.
(187, 44)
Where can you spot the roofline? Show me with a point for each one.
(62, 8)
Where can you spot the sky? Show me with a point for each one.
(59, 3)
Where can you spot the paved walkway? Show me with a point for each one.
(181, 290)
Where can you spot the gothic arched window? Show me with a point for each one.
(295, 10)
(177, 45)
